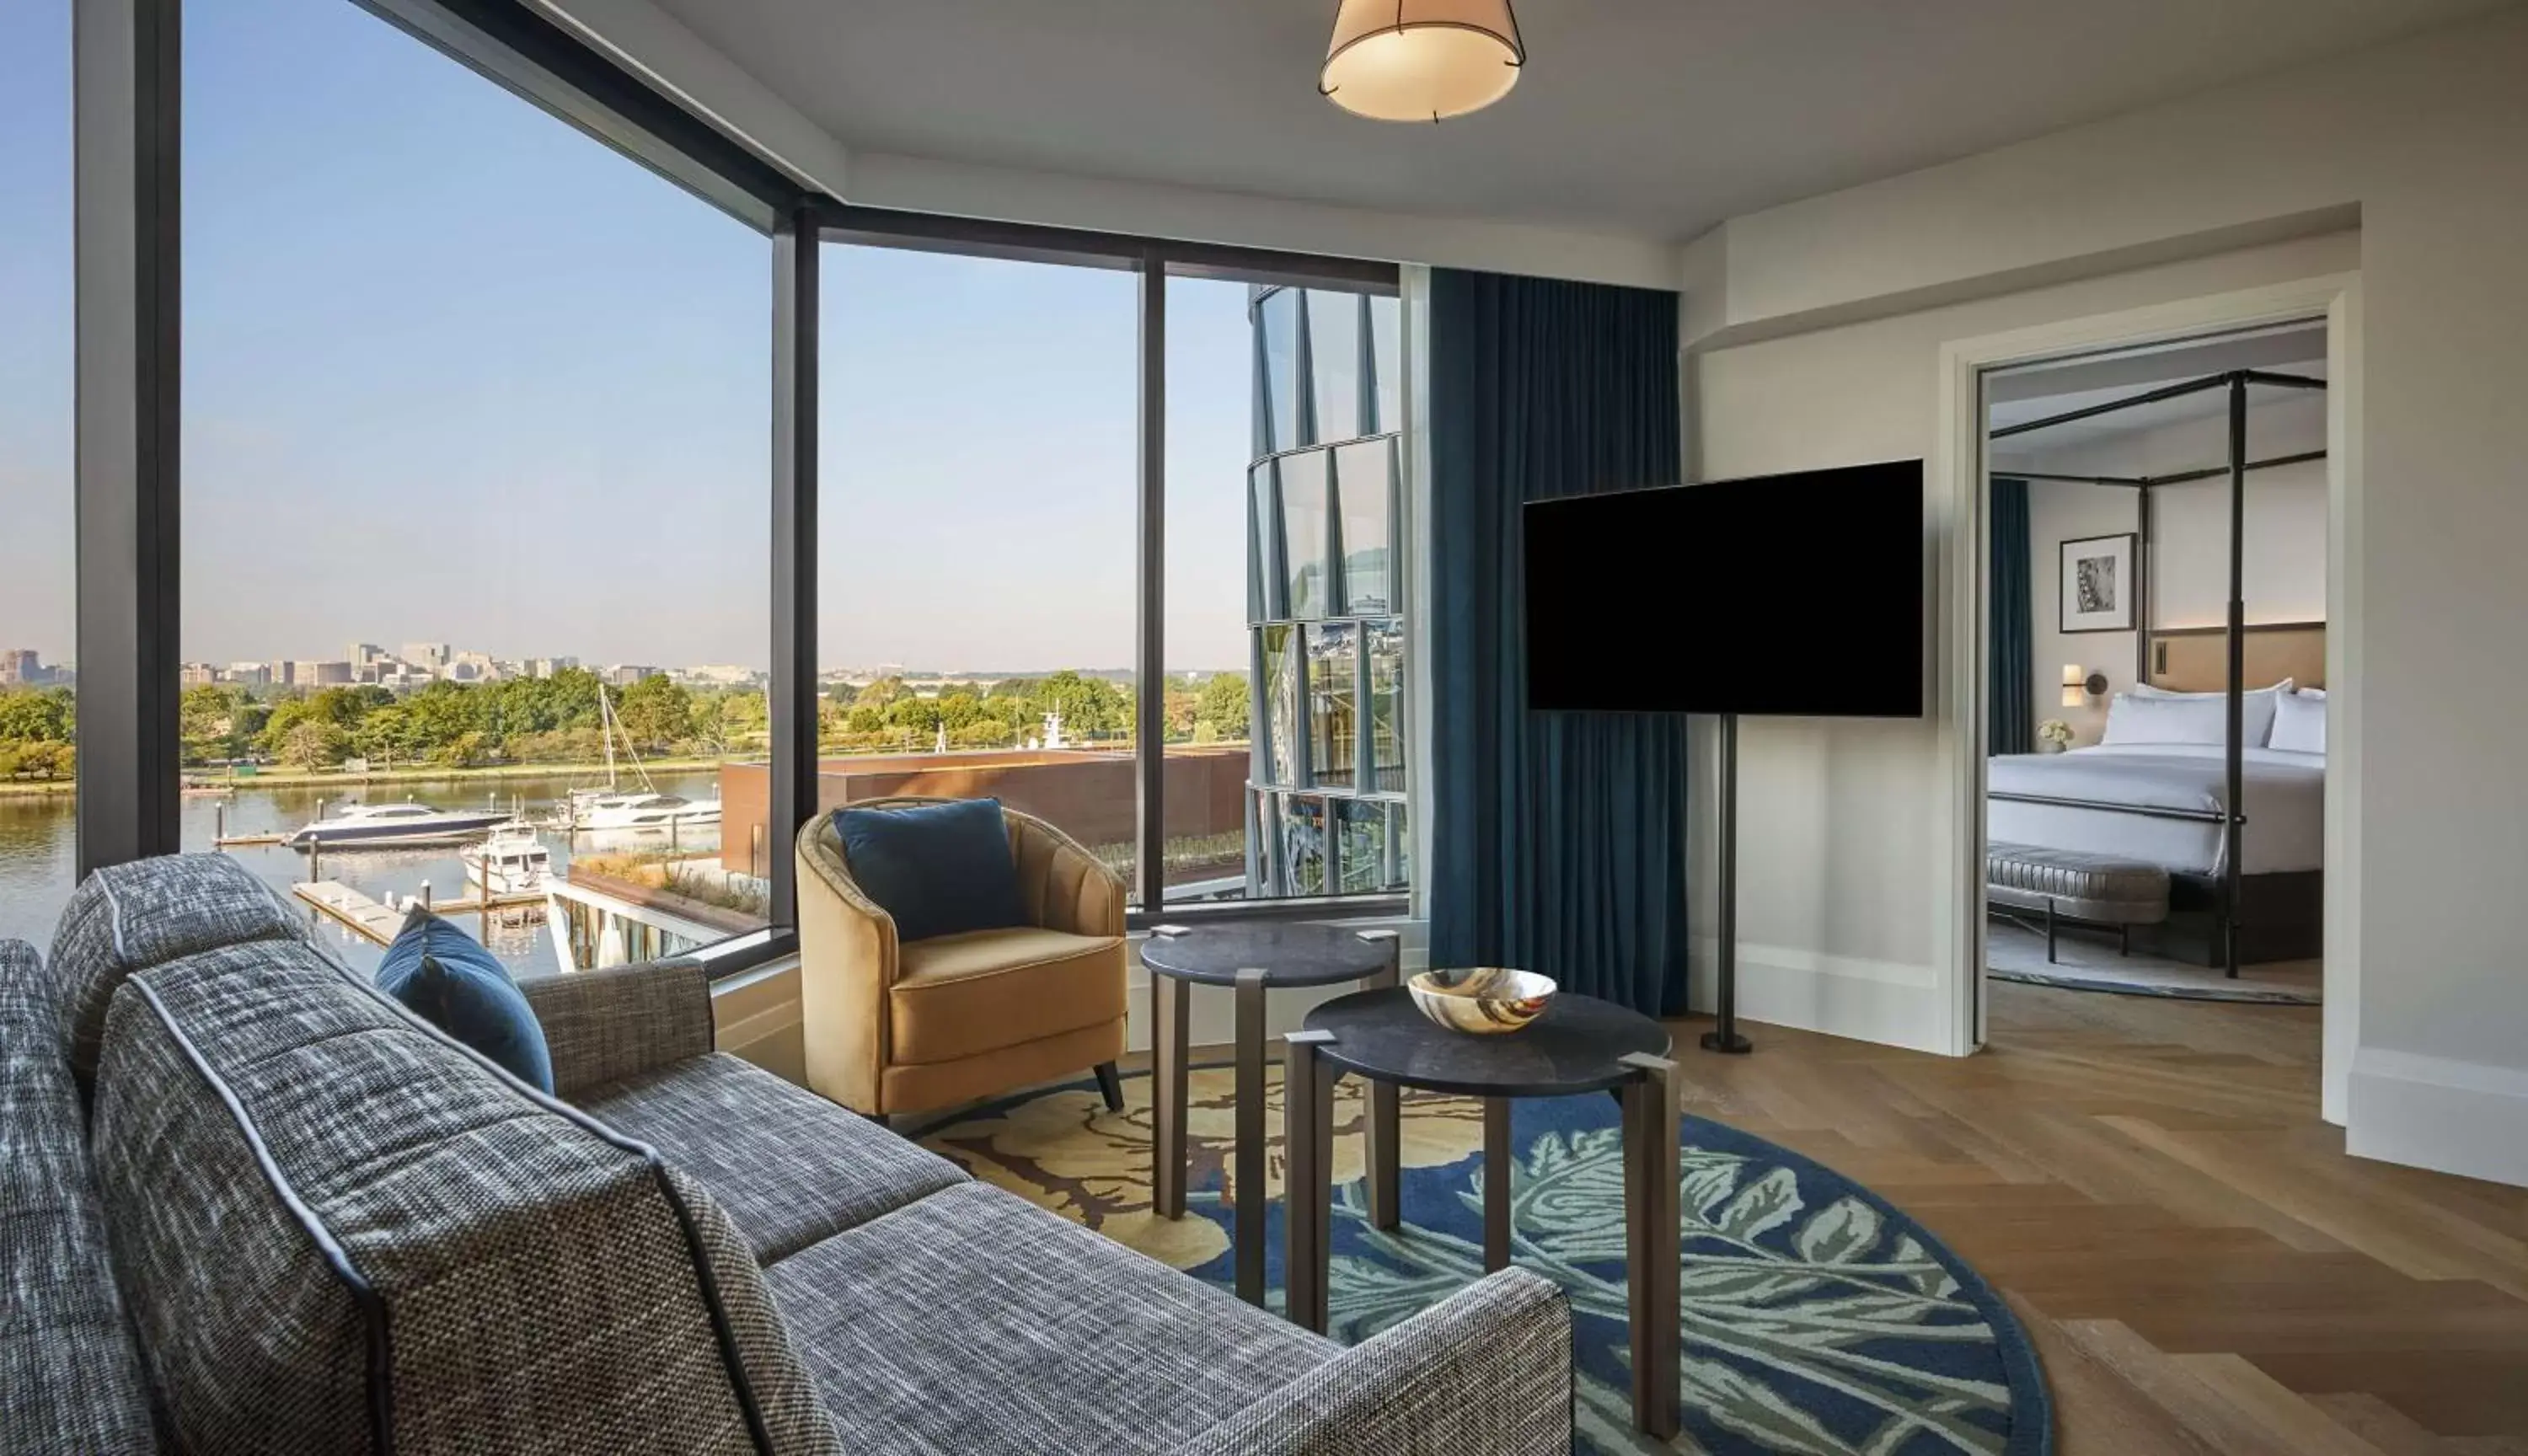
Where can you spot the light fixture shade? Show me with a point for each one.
(2073, 696)
(1421, 60)
(2073, 676)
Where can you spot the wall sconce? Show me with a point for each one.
(2080, 688)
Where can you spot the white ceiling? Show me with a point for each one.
(1661, 117)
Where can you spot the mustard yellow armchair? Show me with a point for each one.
(907, 1027)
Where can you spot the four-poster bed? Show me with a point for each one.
(2167, 804)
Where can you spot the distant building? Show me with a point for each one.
(197, 674)
(319, 674)
(624, 675)
(723, 675)
(366, 655)
(282, 672)
(427, 653)
(248, 674)
(548, 667)
(20, 667)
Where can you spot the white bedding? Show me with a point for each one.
(2285, 803)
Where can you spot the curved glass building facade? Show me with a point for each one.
(1325, 803)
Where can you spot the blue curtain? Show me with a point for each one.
(1558, 838)
(2012, 690)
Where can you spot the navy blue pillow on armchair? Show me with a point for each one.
(449, 979)
(937, 868)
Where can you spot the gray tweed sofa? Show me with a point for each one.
(248, 1204)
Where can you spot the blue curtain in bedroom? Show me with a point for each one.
(1558, 838)
(2011, 691)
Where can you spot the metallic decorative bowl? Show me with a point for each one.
(1483, 999)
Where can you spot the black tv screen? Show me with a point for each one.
(1786, 594)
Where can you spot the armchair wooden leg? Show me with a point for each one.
(1110, 1082)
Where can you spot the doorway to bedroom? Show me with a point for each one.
(2155, 581)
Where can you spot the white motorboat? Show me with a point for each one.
(512, 861)
(380, 825)
(644, 810)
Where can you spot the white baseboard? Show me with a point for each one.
(1892, 1002)
(2465, 1118)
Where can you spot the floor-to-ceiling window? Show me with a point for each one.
(476, 437)
(39, 834)
(977, 619)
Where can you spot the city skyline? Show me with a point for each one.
(519, 397)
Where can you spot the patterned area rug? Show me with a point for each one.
(1818, 1320)
(2018, 954)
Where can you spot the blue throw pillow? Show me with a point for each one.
(937, 868)
(454, 984)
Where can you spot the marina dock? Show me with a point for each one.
(377, 922)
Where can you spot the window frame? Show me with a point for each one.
(128, 250)
(1156, 261)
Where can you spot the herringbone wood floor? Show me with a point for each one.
(2203, 1270)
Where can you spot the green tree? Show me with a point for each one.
(656, 714)
(842, 695)
(1223, 703)
(206, 719)
(311, 742)
(37, 715)
(912, 715)
(865, 718)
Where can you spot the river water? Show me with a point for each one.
(38, 854)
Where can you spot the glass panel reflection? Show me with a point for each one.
(1361, 834)
(1333, 364)
(1303, 535)
(1364, 474)
(1383, 645)
(1278, 321)
(1334, 705)
(1303, 844)
(1385, 353)
(1282, 701)
(1264, 583)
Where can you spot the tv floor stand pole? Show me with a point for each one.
(1725, 1037)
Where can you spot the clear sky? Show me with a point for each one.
(454, 371)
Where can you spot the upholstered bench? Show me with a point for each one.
(2076, 885)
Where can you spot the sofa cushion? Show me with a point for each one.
(340, 1230)
(70, 1374)
(127, 918)
(788, 1165)
(973, 1322)
(449, 981)
(934, 868)
(958, 994)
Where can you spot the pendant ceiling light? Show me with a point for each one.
(1421, 60)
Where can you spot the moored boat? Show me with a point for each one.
(385, 825)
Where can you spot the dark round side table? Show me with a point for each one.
(1249, 959)
(1578, 1045)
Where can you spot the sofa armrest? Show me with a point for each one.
(604, 1025)
(1485, 1373)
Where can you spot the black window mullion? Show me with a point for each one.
(791, 780)
(1149, 728)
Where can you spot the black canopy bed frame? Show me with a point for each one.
(2216, 919)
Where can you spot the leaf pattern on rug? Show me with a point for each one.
(1815, 1321)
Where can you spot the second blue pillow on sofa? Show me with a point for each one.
(937, 868)
(454, 984)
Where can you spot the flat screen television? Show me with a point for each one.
(1785, 594)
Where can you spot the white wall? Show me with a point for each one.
(1845, 835)
(2428, 1053)
(2190, 563)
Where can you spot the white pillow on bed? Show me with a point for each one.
(2133, 719)
(2299, 724)
(2255, 707)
